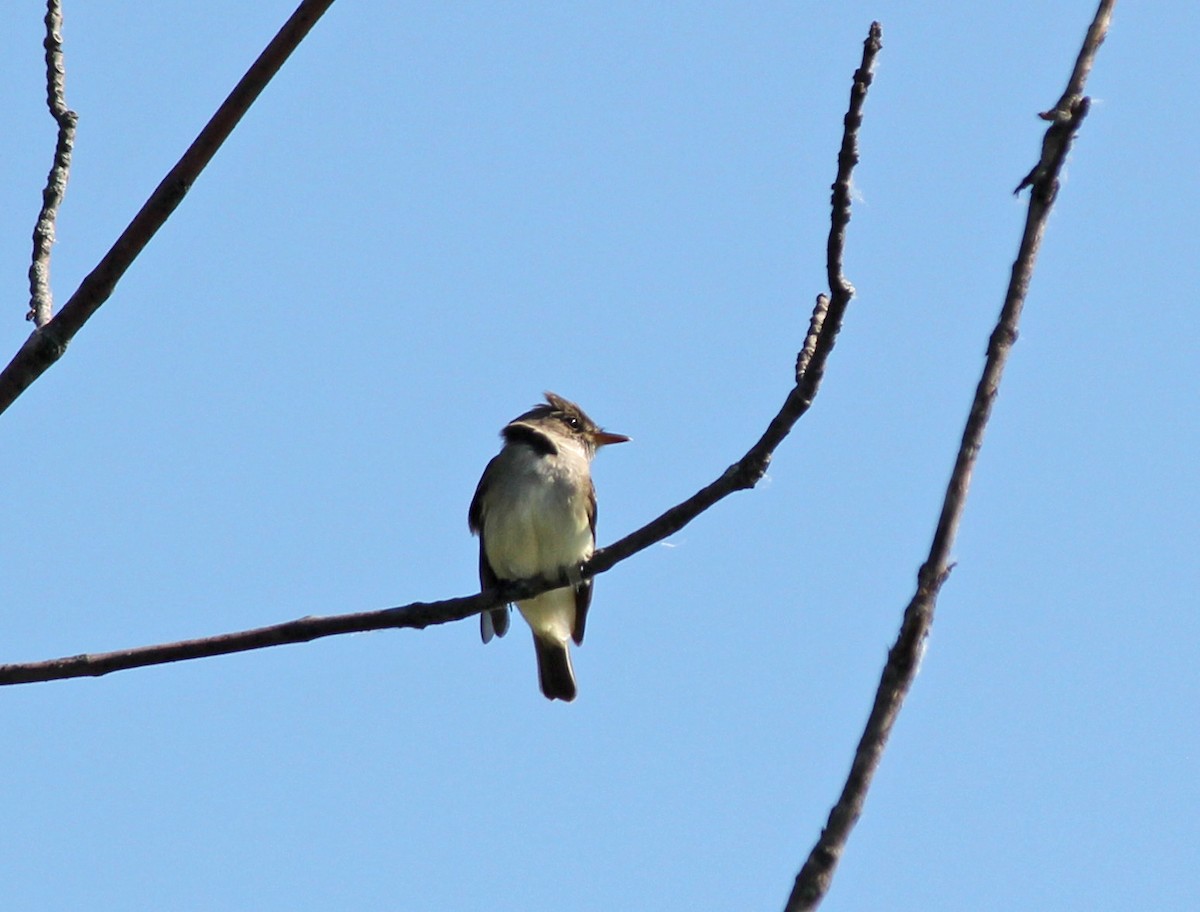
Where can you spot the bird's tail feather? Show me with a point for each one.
(493, 623)
(555, 674)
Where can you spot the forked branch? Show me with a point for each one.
(824, 326)
(48, 342)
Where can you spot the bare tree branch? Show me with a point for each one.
(41, 300)
(815, 323)
(824, 326)
(828, 313)
(303, 630)
(48, 342)
(812, 883)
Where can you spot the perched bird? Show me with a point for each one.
(535, 513)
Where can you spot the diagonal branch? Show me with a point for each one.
(48, 342)
(41, 300)
(812, 883)
(824, 326)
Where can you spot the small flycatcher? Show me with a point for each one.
(535, 513)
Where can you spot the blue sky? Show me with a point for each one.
(431, 216)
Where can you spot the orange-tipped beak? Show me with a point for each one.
(604, 438)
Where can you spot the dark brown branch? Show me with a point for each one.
(41, 300)
(1096, 34)
(303, 630)
(48, 342)
(1058, 138)
(829, 313)
(815, 323)
(812, 883)
(745, 473)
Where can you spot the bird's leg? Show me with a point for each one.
(575, 574)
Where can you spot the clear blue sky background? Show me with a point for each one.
(431, 216)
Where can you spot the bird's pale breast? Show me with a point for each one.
(537, 523)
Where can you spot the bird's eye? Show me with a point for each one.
(573, 423)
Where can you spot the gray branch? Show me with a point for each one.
(48, 342)
(824, 326)
(813, 881)
(41, 300)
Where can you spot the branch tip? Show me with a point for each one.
(815, 876)
(41, 299)
(98, 286)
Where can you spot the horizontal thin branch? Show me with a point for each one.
(41, 300)
(745, 473)
(813, 881)
(47, 343)
(303, 630)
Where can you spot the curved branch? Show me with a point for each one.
(824, 326)
(47, 343)
(812, 883)
(41, 300)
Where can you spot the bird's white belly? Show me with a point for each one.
(537, 534)
(551, 615)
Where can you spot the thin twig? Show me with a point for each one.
(1087, 54)
(41, 299)
(47, 343)
(815, 323)
(743, 474)
(812, 883)
(746, 472)
(1062, 115)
